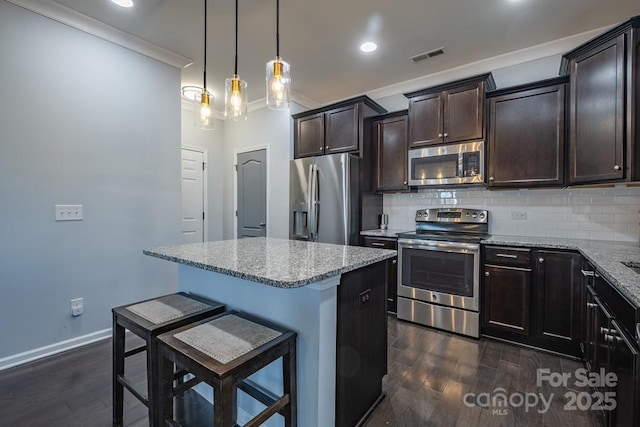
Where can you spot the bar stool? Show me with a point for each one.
(222, 352)
(148, 319)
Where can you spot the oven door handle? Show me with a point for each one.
(455, 247)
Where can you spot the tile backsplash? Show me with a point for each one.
(593, 213)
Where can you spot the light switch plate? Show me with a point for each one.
(69, 213)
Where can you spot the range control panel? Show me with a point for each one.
(452, 215)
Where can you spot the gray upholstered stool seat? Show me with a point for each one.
(223, 351)
(148, 319)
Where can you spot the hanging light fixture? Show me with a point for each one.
(278, 75)
(203, 102)
(235, 90)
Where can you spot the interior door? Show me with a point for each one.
(192, 196)
(252, 194)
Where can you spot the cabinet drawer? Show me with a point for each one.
(518, 257)
(381, 243)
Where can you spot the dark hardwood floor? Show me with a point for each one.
(430, 372)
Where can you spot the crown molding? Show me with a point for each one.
(532, 53)
(84, 23)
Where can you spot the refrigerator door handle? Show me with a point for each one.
(315, 202)
(310, 219)
(346, 194)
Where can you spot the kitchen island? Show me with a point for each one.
(333, 296)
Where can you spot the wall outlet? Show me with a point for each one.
(519, 215)
(77, 306)
(69, 213)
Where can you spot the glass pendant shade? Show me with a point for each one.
(203, 106)
(235, 98)
(278, 84)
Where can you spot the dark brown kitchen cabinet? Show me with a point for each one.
(611, 346)
(506, 299)
(336, 128)
(559, 295)
(603, 106)
(390, 146)
(392, 268)
(448, 113)
(533, 296)
(526, 137)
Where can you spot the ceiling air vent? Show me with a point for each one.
(426, 55)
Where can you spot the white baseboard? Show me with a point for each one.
(49, 350)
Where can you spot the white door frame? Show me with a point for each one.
(235, 185)
(205, 190)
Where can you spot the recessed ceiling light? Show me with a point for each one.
(368, 47)
(123, 3)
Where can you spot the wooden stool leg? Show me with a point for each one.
(289, 375)
(163, 403)
(118, 369)
(152, 378)
(225, 403)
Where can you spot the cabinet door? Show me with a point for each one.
(309, 136)
(463, 113)
(425, 120)
(527, 137)
(597, 114)
(506, 299)
(342, 131)
(559, 299)
(625, 364)
(392, 269)
(390, 136)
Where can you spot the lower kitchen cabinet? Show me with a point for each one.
(533, 296)
(361, 347)
(392, 270)
(609, 346)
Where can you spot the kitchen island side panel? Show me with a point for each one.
(310, 311)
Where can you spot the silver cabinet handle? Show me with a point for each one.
(540, 260)
(446, 135)
(616, 167)
(491, 178)
(326, 148)
(377, 244)
(395, 261)
(587, 273)
(605, 331)
(486, 273)
(612, 338)
(439, 135)
(404, 182)
(263, 224)
(507, 256)
(591, 305)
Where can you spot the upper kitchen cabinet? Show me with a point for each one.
(603, 106)
(390, 146)
(526, 139)
(336, 128)
(448, 113)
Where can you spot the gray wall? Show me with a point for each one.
(212, 141)
(82, 121)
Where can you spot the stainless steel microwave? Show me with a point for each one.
(452, 164)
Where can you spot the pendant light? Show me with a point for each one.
(203, 103)
(278, 75)
(235, 90)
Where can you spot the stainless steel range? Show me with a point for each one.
(439, 274)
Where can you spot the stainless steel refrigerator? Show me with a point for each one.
(326, 196)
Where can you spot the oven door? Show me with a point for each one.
(444, 273)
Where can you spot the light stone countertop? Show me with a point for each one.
(382, 233)
(605, 256)
(274, 262)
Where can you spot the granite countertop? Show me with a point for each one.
(382, 233)
(275, 262)
(605, 256)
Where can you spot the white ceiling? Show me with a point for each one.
(321, 39)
